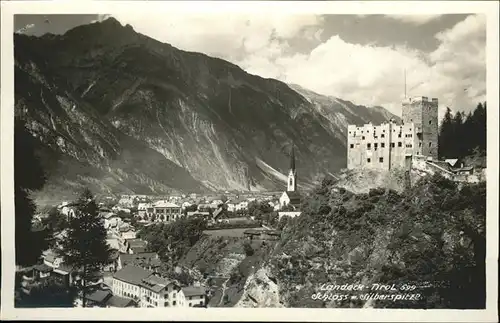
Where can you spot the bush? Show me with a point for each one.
(247, 247)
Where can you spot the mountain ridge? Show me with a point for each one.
(209, 119)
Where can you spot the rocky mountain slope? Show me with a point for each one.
(121, 112)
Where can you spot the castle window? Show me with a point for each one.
(393, 145)
(382, 135)
(430, 144)
(363, 137)
(411, 120)
(400, 144)
(430, 121)
(420, 144)
(352, 145)
(376, 145)
(382, 145)
(368, 146)
(368, 160)
(381, 159)
(399, 135)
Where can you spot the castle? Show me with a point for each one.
(391, 145)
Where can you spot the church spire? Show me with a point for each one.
(292, 175)
(292, 159)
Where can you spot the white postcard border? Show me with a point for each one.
(8, 9)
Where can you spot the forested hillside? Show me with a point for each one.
(463, 134)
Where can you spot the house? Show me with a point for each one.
(42, 271)
(206, 207)
(65, 273)
(237, 205)
(148, 288)
(157, 291)
(51, 258)
(127, 233)
(117, 301)
(166, 211)
(136, 246)
(145, 209)
(195, 295)
(146, 260)
(97, 298)
(215, 201)
(114, 263)
(454, 162)
(126, 281)
(198, 213)
(218, 213)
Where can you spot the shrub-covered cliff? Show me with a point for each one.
(431, 236)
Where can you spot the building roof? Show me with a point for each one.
(237, 201)
(155, 283)
(132, 274)
(99, 296)
(165, 204)
(217, 212)
(117, 301)
(194, 291)
(43, 268)
(451, 161)
(146, 258)
(50, 255)
(294, 196)
(143, 206)
(107, 215)
(136, 243)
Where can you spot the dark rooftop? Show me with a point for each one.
(43, 268)
(117, 301)
(99, 296)
(155, 283)
(132, 274)
(193, 291)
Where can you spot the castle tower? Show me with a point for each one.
(423, 114)
(292, 175)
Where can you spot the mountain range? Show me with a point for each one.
(120, 112)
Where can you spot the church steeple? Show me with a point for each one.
(292, 160)
(292, 175)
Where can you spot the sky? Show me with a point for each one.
(361, 58)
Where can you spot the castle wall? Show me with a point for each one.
(390, 145)
(382, 147)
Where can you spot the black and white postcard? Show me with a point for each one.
(290, 161)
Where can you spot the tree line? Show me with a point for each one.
(84, 249)
(461, 134)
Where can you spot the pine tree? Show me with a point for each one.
(86, 248)
(458, 134)
(445, 135)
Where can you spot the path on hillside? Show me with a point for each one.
(223, 290)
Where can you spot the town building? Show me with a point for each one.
(391, 145)
(195, 296)
(166, 211)
(150, 289)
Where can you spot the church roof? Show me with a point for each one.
(294, 196)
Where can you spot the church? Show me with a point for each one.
(291, 196)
